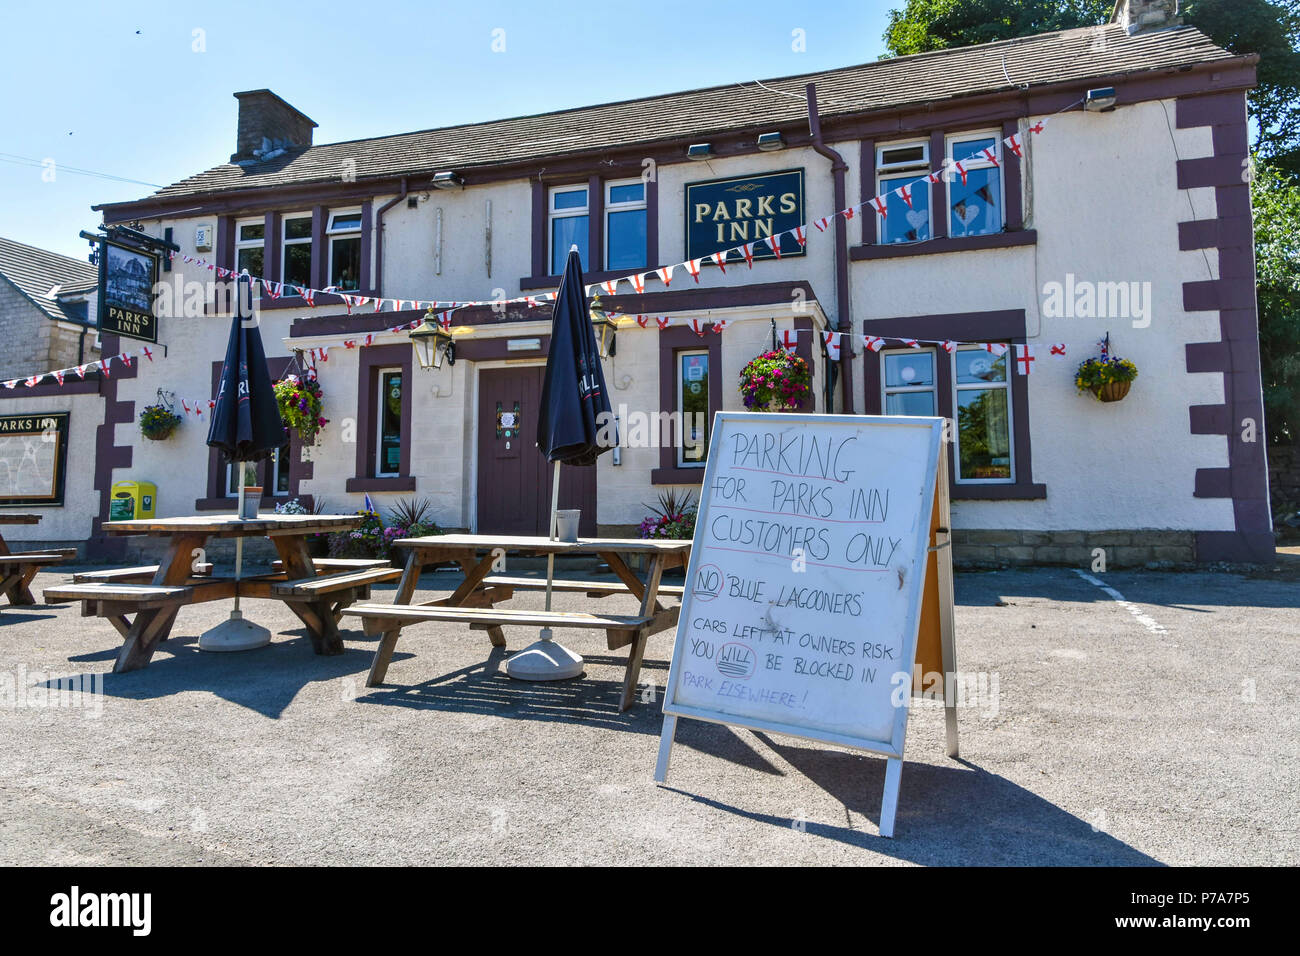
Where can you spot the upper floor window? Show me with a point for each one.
(250, 246)
(625, 224)
(898, 166)
(569, 225)
(344, 238)
(974, 193)
(295, 263)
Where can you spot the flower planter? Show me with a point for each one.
(158, 434)
(1112, 391)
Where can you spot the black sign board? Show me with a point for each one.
(126, 292)
(33, 458)
(726, 213)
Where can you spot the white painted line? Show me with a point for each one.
(1152, 625)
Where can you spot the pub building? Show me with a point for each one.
(1125, 218)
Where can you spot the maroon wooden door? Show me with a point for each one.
(514, 478)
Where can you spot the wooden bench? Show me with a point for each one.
(140, 575)
(138, 595)
(17, 570)
(620, 630)
(327, 565)
(596, 589)
(313, 589)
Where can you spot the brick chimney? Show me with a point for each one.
(268, 126)
(1136, 16)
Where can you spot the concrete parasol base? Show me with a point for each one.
(234, 634)
(544, 659)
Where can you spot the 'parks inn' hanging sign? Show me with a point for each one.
(126, 297)
(804, 593)
(726, 213)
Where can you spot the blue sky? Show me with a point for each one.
(84, 89)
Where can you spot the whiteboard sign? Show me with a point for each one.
(803, 594)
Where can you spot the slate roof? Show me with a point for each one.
(36, 271)
(928, 78)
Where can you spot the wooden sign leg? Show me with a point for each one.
(665, 748)
(889, 805)
(947, 623)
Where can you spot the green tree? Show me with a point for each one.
(925, 25)
(1275, 199)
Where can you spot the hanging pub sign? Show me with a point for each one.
(33, 458)
(726, 213)
(126, 296)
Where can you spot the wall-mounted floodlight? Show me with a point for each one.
(770, 141)
(699, 151)
(447, 180)
(1101, 100)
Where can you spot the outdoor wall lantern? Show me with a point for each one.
(605, 328)
(432, 345)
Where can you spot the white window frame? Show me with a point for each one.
(680, 451)
(241, 244)
(887, 390)
(1011, 421)
(381, 404)
(553, 214)
(286, 242)
(613, 207)
(951, 175)
(919, 168)
(332, 233)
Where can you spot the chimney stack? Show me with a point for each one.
(268, 126)
(1135, 16)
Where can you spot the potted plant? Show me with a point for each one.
(157, 422)
(774, 381)
(1108, 377)
(299, 400)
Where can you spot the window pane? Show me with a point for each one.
(976, 365)
(390, 423)
(298, 228)
(972, 147)
(909, 403)
(976, 204)
(251, 231)
(569, 199)
(982, 433)
(297, 264)
(630, 192)
(903, 224)
(280, 464)
(345, 263)
(902, 369)
(626, 239)
(566, 232)
(250, 259)
(693, 403)
(350, 220)
(902, 154)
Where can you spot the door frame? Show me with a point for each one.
(479, 368)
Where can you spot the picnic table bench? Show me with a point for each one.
(19, 568)
(142, 602)
(474, 601)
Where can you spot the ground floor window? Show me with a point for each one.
(388, 449)
(272, 475)
(693, 407)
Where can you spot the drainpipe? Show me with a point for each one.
(839, 169)
(379, 237)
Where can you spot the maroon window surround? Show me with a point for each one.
(683, 339)
(1013, 233)
(595, 231)
(319, 252)
(370, 361)
(216, 499)
(1005, 326)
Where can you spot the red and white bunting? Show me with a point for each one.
(905, 191)
(146, 353)
(879, 203)
(822, 224)
(991, 155)
(832, 342)
(996, 348)
(34, 380)
(638, 282)
(59, 375)
(747, 250)
(693, 267)
(104, 363)
(911, 343)
(873, 342)
(774, 243)
(125, 358)
(961, 169)
(698, 327)
(444, 320)
(800, 235)
(1058, 350)
(846, 213)
(1025, 359)
(12, 383)
(664, 321)
(719, 325)
(643, 320)
(949, 346)
(790, 339)
(720, 260)
(610, 286)
(1013, 144)
(666, 274)
(81, 370)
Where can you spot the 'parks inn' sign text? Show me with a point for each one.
(725, 213)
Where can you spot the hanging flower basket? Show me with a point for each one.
(774, 381)
(157, 422)
(1108, 377)
(299, 400)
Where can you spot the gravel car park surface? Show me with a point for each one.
(1157, 727)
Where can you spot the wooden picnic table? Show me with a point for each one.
(17, 569)
(474, 601)
(154, 594)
